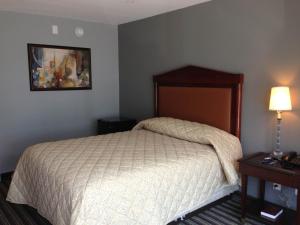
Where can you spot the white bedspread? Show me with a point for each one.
(142, 177)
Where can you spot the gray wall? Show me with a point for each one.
(260, 38)
(31, 117)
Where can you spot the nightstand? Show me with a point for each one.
(113, 125)
(253, 166)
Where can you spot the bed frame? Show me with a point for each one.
(201, 95)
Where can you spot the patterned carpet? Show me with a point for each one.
(224, 212)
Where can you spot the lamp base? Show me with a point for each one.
(277, 154)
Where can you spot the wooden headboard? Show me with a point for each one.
(201, 95)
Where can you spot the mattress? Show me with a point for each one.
(162, 169)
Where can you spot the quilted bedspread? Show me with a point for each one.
(146, 176)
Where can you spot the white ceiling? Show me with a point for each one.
(104, 11)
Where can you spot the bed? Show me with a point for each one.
(164, 168)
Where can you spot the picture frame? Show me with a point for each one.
(56, 68)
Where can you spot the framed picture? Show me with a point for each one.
(59, 68)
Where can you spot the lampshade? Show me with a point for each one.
(280, 99)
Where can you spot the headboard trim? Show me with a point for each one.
(193, 76)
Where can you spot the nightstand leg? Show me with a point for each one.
(244, 194)
(262, 184)
(298, 208)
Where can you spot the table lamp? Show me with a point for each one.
(280, 100)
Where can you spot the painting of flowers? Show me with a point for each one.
(59, 68)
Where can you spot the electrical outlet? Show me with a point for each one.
(296, 191)
(276, 187)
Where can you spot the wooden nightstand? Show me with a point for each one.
(252, 166)
(113, 125)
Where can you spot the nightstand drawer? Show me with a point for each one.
(270, 175)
